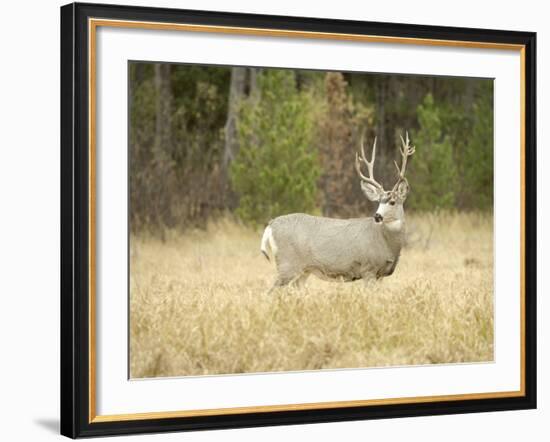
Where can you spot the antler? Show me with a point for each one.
(406, 151)
(370, 164)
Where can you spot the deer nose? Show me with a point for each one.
(378, 218)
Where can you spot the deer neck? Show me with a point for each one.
(394, 233)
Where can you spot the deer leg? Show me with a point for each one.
(281, 281)
(300, 281)
(296, 282)
(286, 274)
(388, 269)
(368, 279)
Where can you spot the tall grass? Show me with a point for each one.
(198, 305)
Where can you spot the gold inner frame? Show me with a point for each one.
(93, 24)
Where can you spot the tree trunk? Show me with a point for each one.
(162, 148)
(381, 154)
(231, 146)
(236, 93)
(163, 125)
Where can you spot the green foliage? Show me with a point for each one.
(200, 99)
(174, 184)
(434, 172)
(142, 132)
(276, 169)
(478, 154)
(295, 134)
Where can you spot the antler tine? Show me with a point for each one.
(370, 164)
(406, 151)
(358, 167)
(397, 167)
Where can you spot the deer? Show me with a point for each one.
(343, 250)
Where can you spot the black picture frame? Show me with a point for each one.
(75, 220)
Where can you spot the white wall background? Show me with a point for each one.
(29, 220)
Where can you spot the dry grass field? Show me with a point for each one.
(198, 305)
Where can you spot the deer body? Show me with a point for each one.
(343, 250)
(331, 249)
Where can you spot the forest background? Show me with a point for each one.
(254, 143)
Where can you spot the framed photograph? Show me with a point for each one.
(273, 220)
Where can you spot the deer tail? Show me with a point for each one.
(268, 243)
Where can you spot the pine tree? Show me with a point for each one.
(433, 176)
(276, 169)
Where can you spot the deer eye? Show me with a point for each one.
(392, 203)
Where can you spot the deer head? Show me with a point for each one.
(390, 203)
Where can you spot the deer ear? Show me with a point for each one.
(403, 190)
(371, 192)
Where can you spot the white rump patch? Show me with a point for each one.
(268, 240)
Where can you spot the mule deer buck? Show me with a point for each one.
(343, 249)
